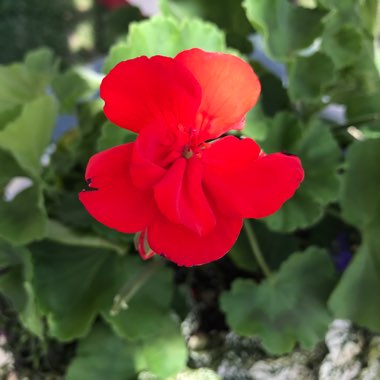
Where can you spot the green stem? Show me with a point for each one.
(256, 249)
(356, 122)
(133, 286)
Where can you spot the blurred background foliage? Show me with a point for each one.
(87, 306)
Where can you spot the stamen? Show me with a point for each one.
(187, 152)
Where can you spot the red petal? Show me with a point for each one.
(145, 170)
(185, 247)
(180, 196)
(155, 149)
(248, 184)
(230, 88)
(115, 201)
(275, 179)
(143, 90)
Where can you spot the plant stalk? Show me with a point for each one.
(256, 249)
(132, 286)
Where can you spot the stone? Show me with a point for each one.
(345, 344)
(372, 370)
(288, 367)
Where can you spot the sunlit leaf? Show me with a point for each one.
(21, 83)
(165, 36)
(165, 353)
(27, 137)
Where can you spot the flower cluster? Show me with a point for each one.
(182, 185)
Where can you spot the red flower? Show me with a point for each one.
(183, 187)
(113, 4)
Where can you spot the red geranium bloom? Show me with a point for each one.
(113, 4)
(182, 186)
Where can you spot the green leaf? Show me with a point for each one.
(25, 219)
(356, 297)
(112, 135)
(15, 285)
(196, 374)
(102, 355)
(75, 85)
(230, 18)
(285, 27)
(342, 42)
(152, 301)
(348, 40)
(16, 87)
(58, 232)
(338, 4)
(360, 197)
(363, 106)
(256, 124)
(24, 215)
(73, 283)
(368, 14)
(66, 208)
(320, 155)
(11, 278)
(165, 353)
(8, 115)
(21, 83)
(42, 66)
(272, 308)
(27, 137)
(309, 77)
(165, 36)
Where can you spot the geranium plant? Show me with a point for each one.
(252, 163)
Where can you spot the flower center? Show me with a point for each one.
(190, 150)
(187, 152)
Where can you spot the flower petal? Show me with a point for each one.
(155, 149)
(143, 90)
(230, 88)
(114, 200)
(180, 196)
(248, 184)
(186, 247)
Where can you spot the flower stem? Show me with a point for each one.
(256, 249)
(133, 286)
